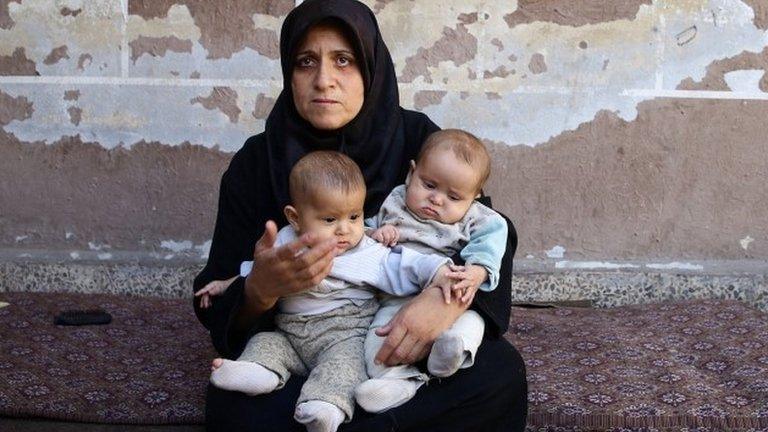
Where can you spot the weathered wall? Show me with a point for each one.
(632, 131)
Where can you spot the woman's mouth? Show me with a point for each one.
(324, 101)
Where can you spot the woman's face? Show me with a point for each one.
(327, 85)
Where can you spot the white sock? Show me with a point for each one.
(447, 356)
(247, 377)
(319, 416)
(380, 394)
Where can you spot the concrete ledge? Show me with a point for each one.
(632, 283)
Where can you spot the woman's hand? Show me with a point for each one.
(410, 333)
(278, 272)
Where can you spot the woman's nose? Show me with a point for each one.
(325, 75)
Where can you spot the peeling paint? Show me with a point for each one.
(263, 106)
(426, 98)
(17, 64)
(74, 255)
(717, 70)
(223, 99)
(456, 45)
(204, 249)
(71, 95)
(226, 26)
(56, 55)
(537, 64)
(593, 265)
(747, 81)
(176, 246)
(675, 266)
(760, 9)
(84, 61)
(14, 108)
(556, 252)
(745, 242)
(75, 115)
(571, 13)
(157, 47)
(20, 239)
(104, 256)
(97, 247)
(499, 72)
(65, 11)
(6, 22)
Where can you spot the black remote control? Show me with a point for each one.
(83, 317)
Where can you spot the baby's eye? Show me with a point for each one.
(429, 185)
(354, 217)
(329, 220)
(454, 198)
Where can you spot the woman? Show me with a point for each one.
(340, 92)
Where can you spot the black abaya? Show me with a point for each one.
(382, 139)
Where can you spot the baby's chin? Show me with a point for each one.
(342, 247)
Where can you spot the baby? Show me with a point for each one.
(320, 332)
(436, 212)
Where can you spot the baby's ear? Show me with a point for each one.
(410, 172)
(292, 215)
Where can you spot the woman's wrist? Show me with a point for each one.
(254, 304)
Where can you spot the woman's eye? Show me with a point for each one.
(304, 62)
(344, 61)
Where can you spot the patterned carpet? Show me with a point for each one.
(672, 366)
(150, 365)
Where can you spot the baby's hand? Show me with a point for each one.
(444, 282)
(387, 235)
(469, 278)
(213, 288)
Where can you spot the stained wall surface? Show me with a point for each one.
(622, 130)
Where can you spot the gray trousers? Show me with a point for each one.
(327, 347)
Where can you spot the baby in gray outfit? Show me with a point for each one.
(436, 212)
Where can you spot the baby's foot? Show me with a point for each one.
(319, 416)
(447, 356)
(246, 377)
(380, 394)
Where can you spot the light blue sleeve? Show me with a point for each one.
(486, 247)
(372, 222)
(245, 268)
(406, 271)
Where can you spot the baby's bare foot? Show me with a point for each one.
(216, 363)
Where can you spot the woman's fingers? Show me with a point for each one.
(391, 342)
(402, 351)
(267, 240)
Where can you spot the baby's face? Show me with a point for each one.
(441, 187)
(333, 214)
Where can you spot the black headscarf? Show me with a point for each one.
(374, 138)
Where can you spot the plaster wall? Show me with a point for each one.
(628, 132)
